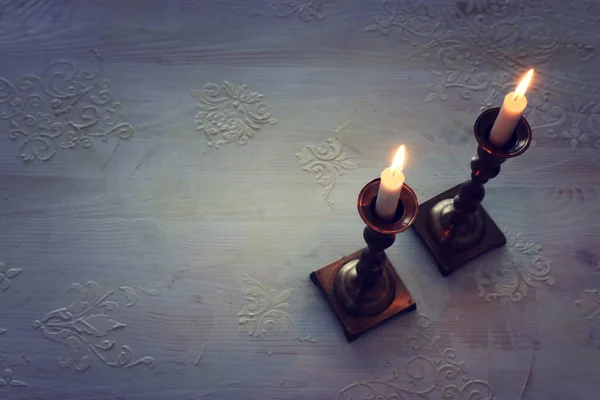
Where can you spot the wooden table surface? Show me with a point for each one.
(172, 171)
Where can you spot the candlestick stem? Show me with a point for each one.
(370, 264)
(366, 287)
(363, 288)
(459, 222)
(454, 225)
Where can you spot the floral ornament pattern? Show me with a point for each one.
(587, 334)
(425, 27)
(307, 10)
(6, 379)
(86, 327)
(578, 121)
(66, 107)
(267, 310)
(522, 268)
(326, 161)
(432, 374)
(463, 41)
(230, 113)
(589, 304)
(6, 373)
(7, 274)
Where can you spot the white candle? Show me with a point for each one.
(512, 108)
(390, 187)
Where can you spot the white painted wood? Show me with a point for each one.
(184, 238)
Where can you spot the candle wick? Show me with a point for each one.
(517, 96)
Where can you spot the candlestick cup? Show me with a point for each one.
(363, 288)
(453, 225)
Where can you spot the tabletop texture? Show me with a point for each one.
(172, 171)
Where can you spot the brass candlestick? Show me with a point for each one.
(363, 288)
(454, 225)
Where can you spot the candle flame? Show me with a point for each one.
(398, 162)
(523, 85)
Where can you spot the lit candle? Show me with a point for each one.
(512, 108)
(390, 187)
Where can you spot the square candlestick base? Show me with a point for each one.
(449, 260)
(355, 325)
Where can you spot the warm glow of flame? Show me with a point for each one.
(523, 85)
(398, 162)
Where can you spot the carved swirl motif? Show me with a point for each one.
(6, 379)
(578, 121)
(326, 161)
(432, 374)
(86, 327)
(64, 108)
(589, 304)
(230, 113)
(7, 274)
(523, 267)
(6, 373)
(307, 10)
(587, 333)
(463, 40)
(267, 310)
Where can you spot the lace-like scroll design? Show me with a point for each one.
(473, 46)
(67, 107)
(523, 267)
(86, 327)
(267, 310)
(585, 329)
(6, 379)
(6, 274)
(431, 374)
(326, 161)
(6, 373)
(306, 10)
(576, 121)
(230, 113)
(590, 304)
